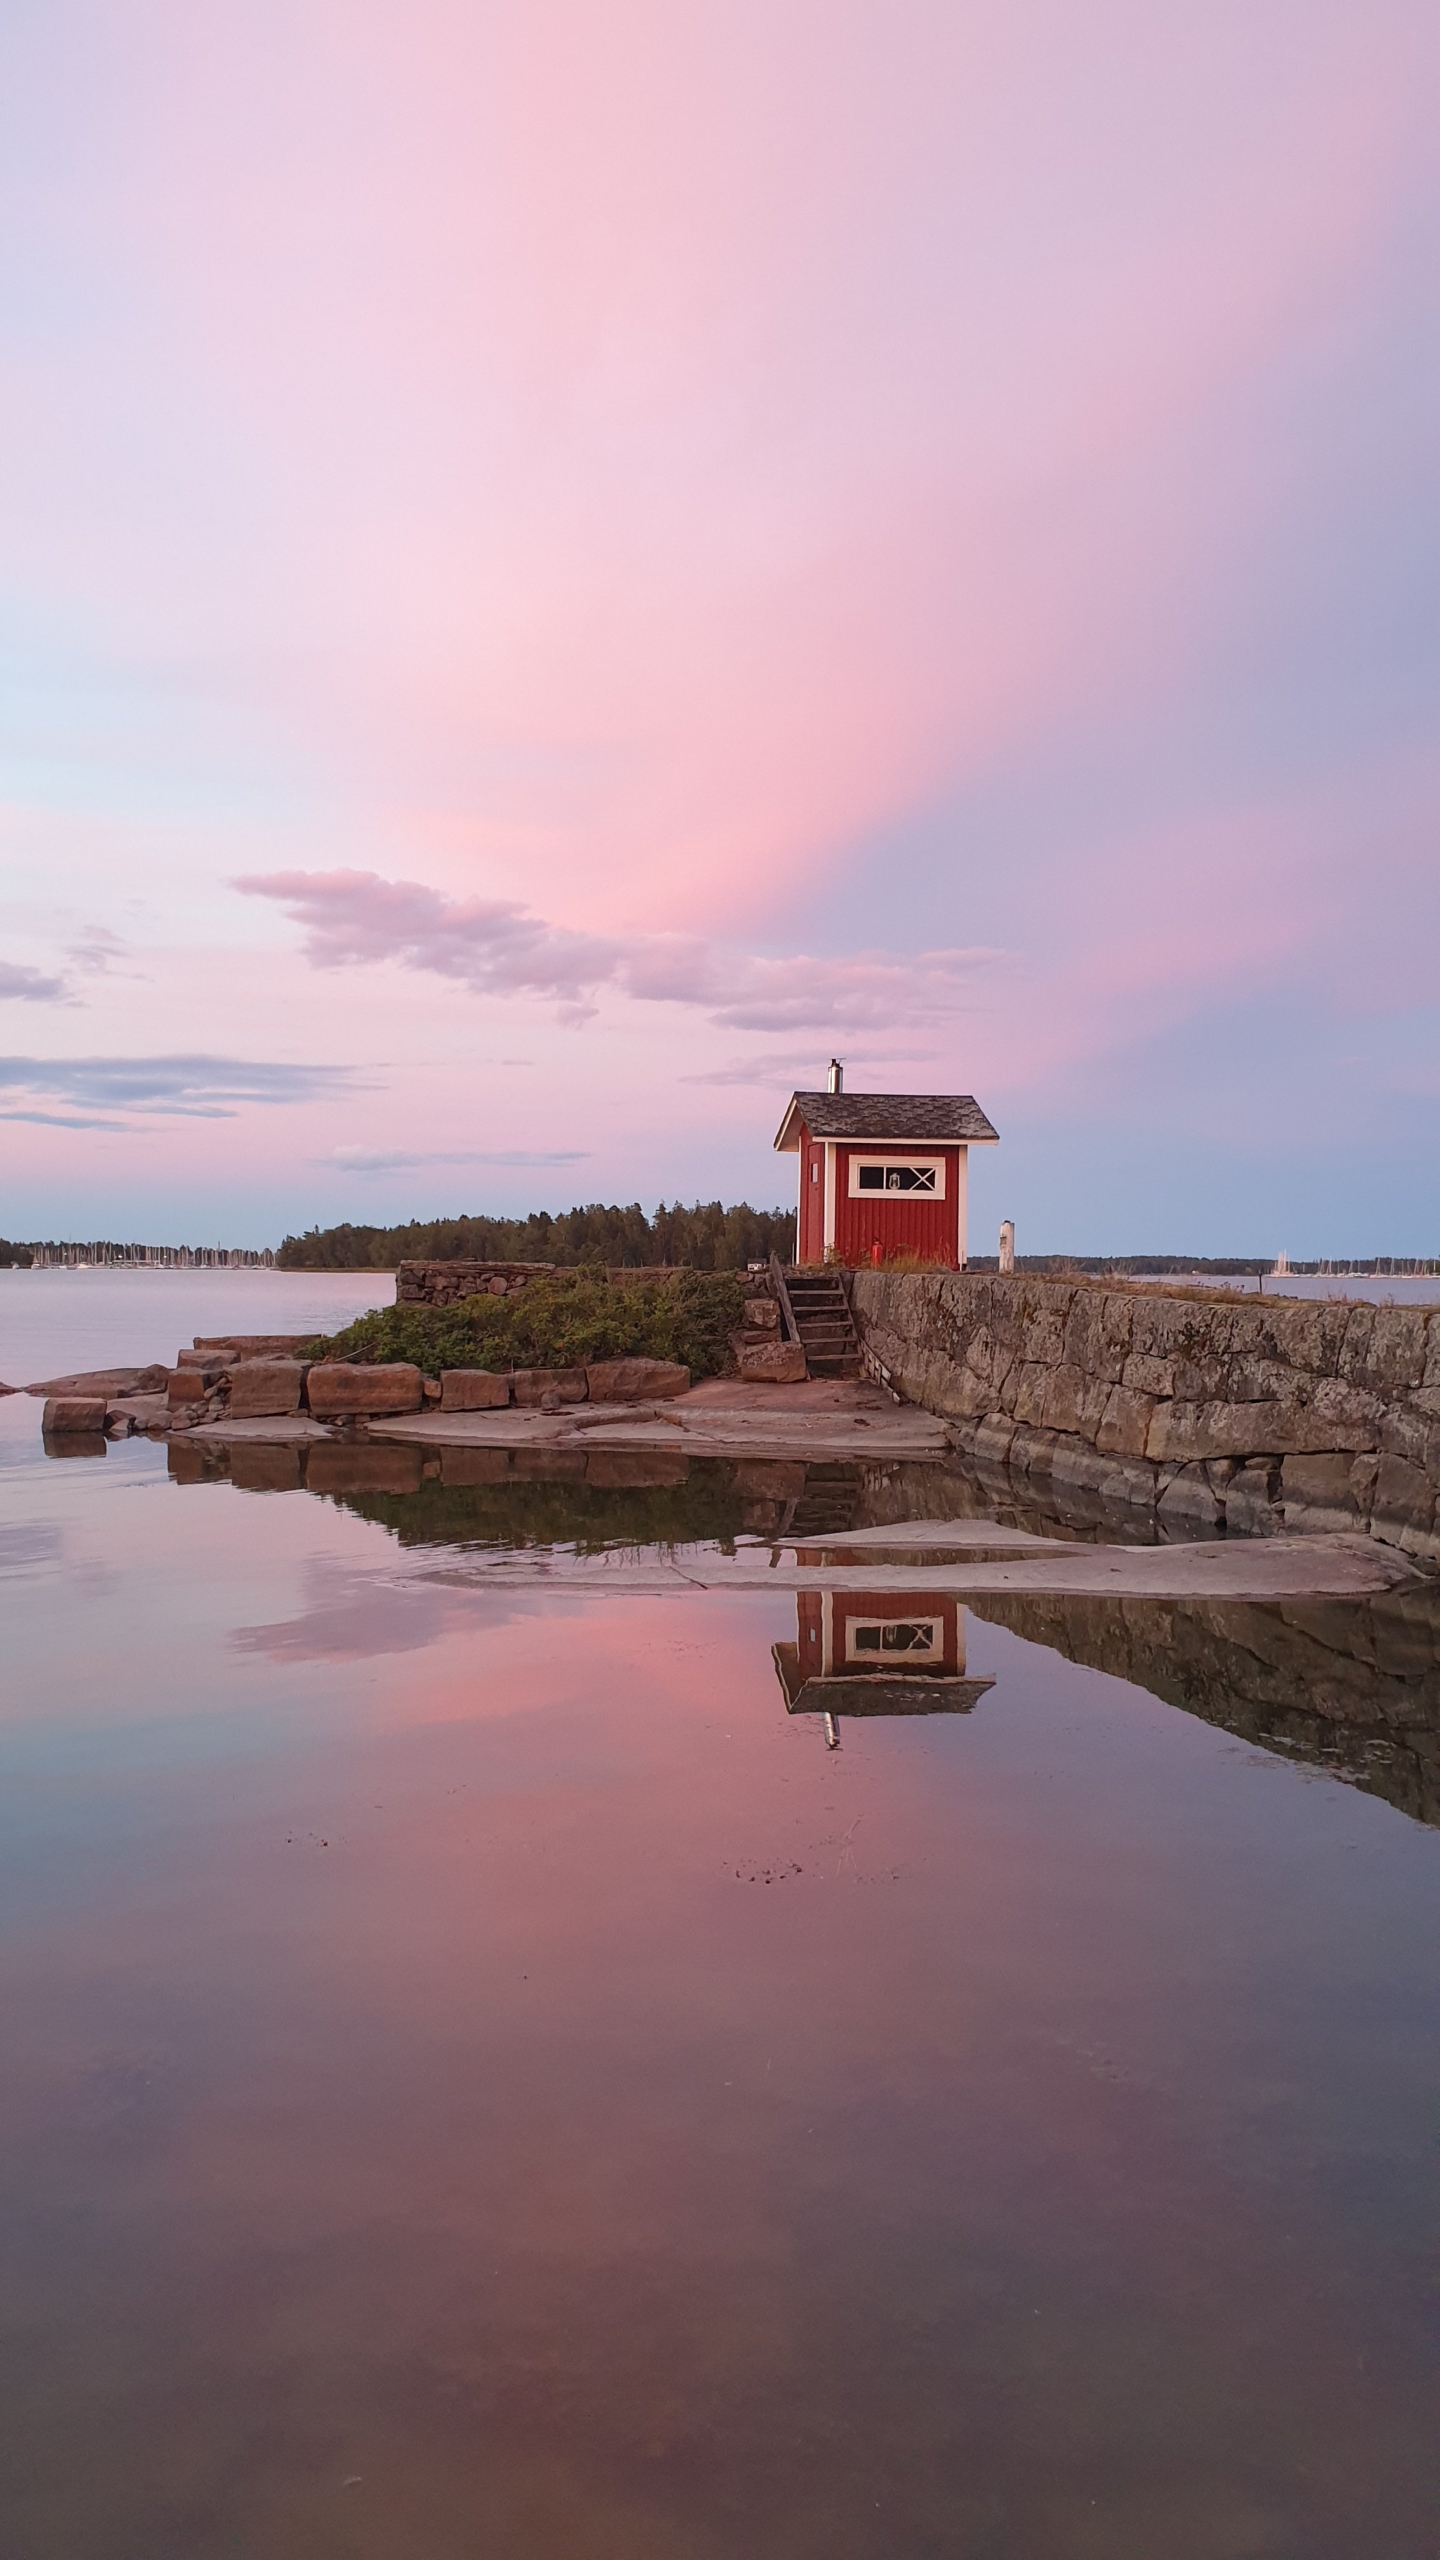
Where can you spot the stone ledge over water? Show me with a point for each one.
(1251, 1415)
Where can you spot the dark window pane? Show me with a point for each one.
(903, 1638)
(896, 1177)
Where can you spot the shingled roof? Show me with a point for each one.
(904, 1119)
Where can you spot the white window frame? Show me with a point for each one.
(932, 1164)
(856, 1654)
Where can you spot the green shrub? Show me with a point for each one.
(435, 1338)
(560, 1321)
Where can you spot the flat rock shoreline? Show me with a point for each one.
(937, 1563)
(722, 1417)
(538, 1432)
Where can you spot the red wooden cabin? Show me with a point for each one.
(882, 1169)
(876, 1653)
(879, 1634)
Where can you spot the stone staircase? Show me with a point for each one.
(828, 1504)
(824, 1323)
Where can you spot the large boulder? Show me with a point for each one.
(472, 1390)
(464, 1464)
(252, 1346)
(636, 1470)
(100, 1382)
(66, 1414)
(773, 1364)
(265, 1387)
(762, 1315)
(567, 1386)
(635, 1381)
(192, 1380)
(369, 1466)
(266, 1466)
(770, 1479)
(337, 1387)
(548, 1465)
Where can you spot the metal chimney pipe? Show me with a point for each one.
(835, 1082)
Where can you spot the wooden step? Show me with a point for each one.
(824, 1323)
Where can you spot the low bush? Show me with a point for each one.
(562, 1320)
(588, 1517)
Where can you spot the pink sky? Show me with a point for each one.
(678, 539)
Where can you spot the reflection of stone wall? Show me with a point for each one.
(1257, 1415)
(1353, 1685)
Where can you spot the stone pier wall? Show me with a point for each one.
(1255, 1415)
(442, 1284)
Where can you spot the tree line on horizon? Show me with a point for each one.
(706, 1237)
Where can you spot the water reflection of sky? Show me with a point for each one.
(481, 2076)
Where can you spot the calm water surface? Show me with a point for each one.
(484, 2082)
(1384, 1288)
(54, 1321)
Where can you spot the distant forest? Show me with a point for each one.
(709, 1237)
(1125, 1266)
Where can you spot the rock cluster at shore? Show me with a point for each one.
(762, 1353)
(262, 1377)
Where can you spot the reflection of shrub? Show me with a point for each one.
(561, 1320)
(590, 1518)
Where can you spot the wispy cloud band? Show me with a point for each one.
(196, 1087)
(497, 947)
(403, 1159)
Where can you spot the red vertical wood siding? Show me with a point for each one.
(898, 1221)
(895, 1220)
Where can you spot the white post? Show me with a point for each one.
(1007, 1245)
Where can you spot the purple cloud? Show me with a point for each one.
(97, 950)
(192, 1088)
(499, 948)
(29, 986)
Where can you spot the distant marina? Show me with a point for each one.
(144, 1257)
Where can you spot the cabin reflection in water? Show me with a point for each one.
(876, 1653)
